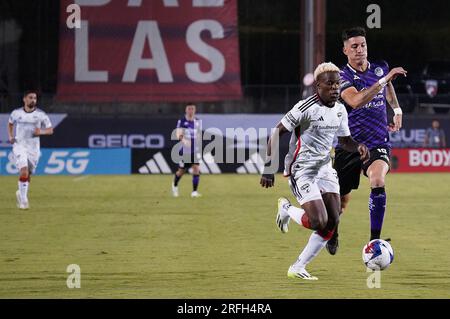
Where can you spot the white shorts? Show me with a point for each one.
(307, 187)
(24, 158)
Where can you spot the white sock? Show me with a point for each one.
(312, 249)
(296, 214)
(23, 189)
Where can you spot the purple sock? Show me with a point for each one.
(195, 181)
(176, 180)
(377, 207)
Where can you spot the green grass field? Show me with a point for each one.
(133, 240)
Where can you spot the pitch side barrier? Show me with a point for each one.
(229, 143)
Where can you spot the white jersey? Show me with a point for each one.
(314, 127)
(25, 125)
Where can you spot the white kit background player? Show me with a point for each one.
(314, 122)
(29, 123)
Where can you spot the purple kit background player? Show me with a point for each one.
(188, 128)
(365, 89)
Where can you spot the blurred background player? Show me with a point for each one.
(188, 129)
(314, 122)
(365, 88)
(435, 136)
(30, 123)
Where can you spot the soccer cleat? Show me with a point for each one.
(24, 205)
(333, 244)
(195, 194)
(283, 218)
(175, 191)
(20, 203)
(300, 273)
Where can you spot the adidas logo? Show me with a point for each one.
(207, 165)
(158, 165)
(355, 77)
(320, 119)
(254, 165)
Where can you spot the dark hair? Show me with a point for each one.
(190, 103)
(353, 32)
(26, 92)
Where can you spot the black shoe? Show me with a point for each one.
(333, 244)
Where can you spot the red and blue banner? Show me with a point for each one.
(149, 50)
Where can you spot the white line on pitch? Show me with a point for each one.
(80, 178)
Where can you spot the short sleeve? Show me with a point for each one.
(343, 128)
(292, 118)
(13, 117)
(346, 80)
(46, 123)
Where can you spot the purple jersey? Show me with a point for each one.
(368, 124)
(190, 131)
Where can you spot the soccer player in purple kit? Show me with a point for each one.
(187, 132)
(365, 89)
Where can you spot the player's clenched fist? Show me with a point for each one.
(267, 180)
(364, 152)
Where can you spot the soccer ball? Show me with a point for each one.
(377, 254)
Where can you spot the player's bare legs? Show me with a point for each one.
(377, 200)
(333, 243)
(332, 203)
(321, 215)
(195, 180)
(179, 173)
(345, 199)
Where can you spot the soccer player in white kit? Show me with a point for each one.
(314, 122)
(30, 123)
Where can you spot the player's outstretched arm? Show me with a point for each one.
(356, 98)
(268, 176)
(350, 145)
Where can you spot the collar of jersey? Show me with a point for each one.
(27, 111)
(356, 71)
